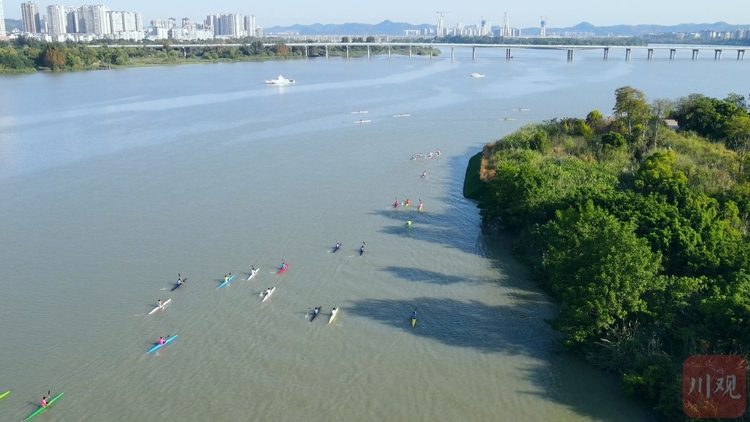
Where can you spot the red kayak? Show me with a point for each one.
(283, 270)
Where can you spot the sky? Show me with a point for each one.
(522, 14)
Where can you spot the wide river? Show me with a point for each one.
(114, 182)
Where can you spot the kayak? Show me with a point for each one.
(413, 320)
(314, 314)
(273, 289)
(41, 409)
(334, 312)
(178, 285)
(283, 270)
(2, 396)
(160, 307)
(225, 283)
(252, 274)
(336, 248)
(159, 346)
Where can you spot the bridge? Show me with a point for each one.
(570, 49)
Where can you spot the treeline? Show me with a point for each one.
(23, 55)
(639, 231)
(613, 41)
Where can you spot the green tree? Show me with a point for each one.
(598, 268)
(630, 108)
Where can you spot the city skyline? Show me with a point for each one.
(522, 15)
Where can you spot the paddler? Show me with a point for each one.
(406, 203)
(408, 224)
(159, 303)
(420, 205)
(226, 278)
(43, 403)
(338, 245)
(283, 265)
(395, 204)
(362, 249)
(161, 341)
(316, 311)
(424, 174)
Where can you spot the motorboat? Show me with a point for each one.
(280, 81)
(477, 75)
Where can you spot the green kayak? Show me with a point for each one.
(41, 409)
(2, 396)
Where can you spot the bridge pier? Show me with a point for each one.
(347, 51)
(606, 53)
(473, 53)
(695, 54)
(740, 54)
(430, 52)
(409, 51)
(507, 54)
(650, 54)
(368, 51)
(628, 53)
(717, 54)
(326, 52)
(389, 51)
(307, 52)
(453, 55)
(570, 55)
(672, 54)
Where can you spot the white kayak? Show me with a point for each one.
(252, 274)
(160, 307)
(334, 312)
(270, 292)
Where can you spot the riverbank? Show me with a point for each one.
(30, 55)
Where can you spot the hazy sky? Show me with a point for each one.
(522, 13)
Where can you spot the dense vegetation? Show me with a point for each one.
(639, 231)
(23, 55)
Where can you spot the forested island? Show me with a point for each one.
(25, 55)
(639, 231)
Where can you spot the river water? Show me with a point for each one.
(113, 182)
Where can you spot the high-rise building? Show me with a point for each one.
(72, 20)
(250, 25)
(30, 17)
(57, 19)
(2, 20)
(116, 22)
(543, 31)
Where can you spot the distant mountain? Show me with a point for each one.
(397, 28)
(637, 30)
(11, 24)
(383, 28)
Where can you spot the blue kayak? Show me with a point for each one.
(225, 283)
(158, 346)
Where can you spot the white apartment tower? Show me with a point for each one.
(250, 25)
(57, 19)
(440, 27)
(2, 20)
(30, 17)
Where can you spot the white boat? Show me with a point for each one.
(334, 312)
(280, 81)
(362, 121)
(252, 274)
(359, 112)
(270, 292)
(477, 75)
(160, 307)
(401, 115)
